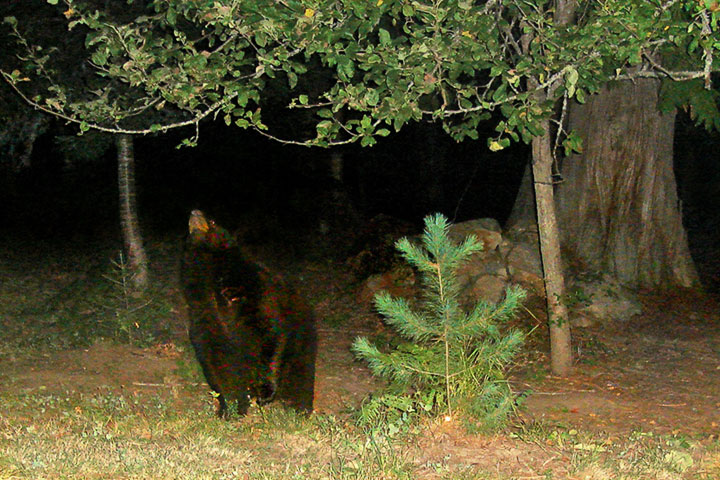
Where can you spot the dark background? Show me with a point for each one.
(278, 193)
(234, 173)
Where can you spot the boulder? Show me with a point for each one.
(489, 288)
(487, 230)
(523, 257)
(600, 300)
(398, 282)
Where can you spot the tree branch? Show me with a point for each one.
(706, 32)
(118, 130)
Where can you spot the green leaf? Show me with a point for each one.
(572, 144)
(497, 70)
(292, 80)
(367, 141)
(500, 94)
(535, 129)
(324, 127)
(384, 37)
(171, 17)
(99, 57)
(197, 61)
(242, 99)
(635, 57)
(345, 68)
(580, 96)
(495, 146)
(261, 39)
(571, 78)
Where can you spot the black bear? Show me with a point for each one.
(252, 334)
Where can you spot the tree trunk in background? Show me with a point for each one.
(132, 238)
(31, 131)
(560, 339)
(524, 214)
(618, 205)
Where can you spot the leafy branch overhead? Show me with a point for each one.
(364, 68)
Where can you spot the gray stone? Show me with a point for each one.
(488, 288)
(524, 257)
(605, 299)
(487, 230)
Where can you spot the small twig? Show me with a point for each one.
(706, 32)
(564, 393)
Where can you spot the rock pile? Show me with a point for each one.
(513, 258)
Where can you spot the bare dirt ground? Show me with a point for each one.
(657, 372)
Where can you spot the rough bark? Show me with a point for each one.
(549, 234)
(618, 204)
(565, 11)
(132, 237)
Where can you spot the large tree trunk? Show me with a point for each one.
(132, 238)
(618, 206)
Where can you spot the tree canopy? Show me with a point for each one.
(364, 68)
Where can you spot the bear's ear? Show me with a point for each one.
(198, 223)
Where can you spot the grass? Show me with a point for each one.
(63, 308)
(113, 436)
(640, 455)
(109, 436)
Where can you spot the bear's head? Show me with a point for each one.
(204, 231)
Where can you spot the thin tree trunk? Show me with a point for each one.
(132, 238)
(549, 234)
(619, 203)
(32, 131)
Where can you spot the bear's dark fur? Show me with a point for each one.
(252, 335)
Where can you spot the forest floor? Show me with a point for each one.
(659, 371)
(656, 375)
